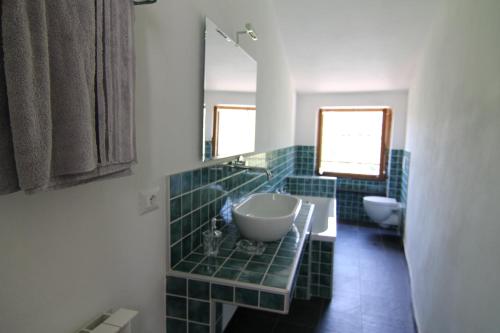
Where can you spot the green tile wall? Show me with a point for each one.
(311, 186)
(196, 306)
(404, 184)
(395, 180)
(189, 307)
(198, 195)
(350, 192)
(305, 159)
(208, 149)
(320, 281)
(303, 285)
(405, 176)
(322, 269)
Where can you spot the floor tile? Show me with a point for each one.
(304, 313)
(371, 291)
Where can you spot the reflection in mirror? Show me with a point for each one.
(229, 111)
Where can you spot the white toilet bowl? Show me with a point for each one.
(382, 210)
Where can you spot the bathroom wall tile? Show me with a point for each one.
(186, 245)
(223, 293)
(199, 311)
(311, 186)
(246, 296)
(185, 266)
(301, 293)
(198, 328)
(176, 306)
(229, 274)
(262, 259)
(186, 181)
(200, 194)
(175, 185)
(198, 289)
(196, 179)
(175, 232)
(275, 281)
(176, 253)
(256, 267)
(176, 286)
(186, 225)
(207, 270)
(282, 261)
(325, 292)
(305, 157)
(251, 277)
(186, 203)
(175, 208)
(303, 283)
(234, 264)
(279, 270)
(350, 192)
(395, 172)
(272, 301)
(322, 269)
(176, 325)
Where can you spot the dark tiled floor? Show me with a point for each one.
(371, 291)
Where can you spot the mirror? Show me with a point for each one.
(229, 110)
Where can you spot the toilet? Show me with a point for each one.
(382, 210)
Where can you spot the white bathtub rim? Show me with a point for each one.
(330, 234)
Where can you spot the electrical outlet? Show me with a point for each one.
(149, 200)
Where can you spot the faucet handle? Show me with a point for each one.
(282, 189)
(240, 160)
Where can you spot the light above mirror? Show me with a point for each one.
(229, 111)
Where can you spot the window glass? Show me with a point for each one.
(235, 132)
(353, 142)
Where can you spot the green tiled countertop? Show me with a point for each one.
(262, 281)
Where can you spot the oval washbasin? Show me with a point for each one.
(266, 217)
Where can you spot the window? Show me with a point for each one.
(353, 142)
(233, 130)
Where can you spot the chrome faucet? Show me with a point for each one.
(240, 163)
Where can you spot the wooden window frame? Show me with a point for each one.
(384, 147)
(215, 124)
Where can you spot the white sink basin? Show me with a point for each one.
(266, 217)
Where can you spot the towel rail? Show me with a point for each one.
(144, 2)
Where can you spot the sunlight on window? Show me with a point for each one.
(236, 131)
(352, 142)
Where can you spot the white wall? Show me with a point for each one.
(308, 105)
(452, 229)
(67, 255)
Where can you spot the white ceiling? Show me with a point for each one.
(353, 45)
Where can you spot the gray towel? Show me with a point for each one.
(115, 81)
(55, 55)
(8, 174)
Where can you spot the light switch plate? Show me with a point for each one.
(149, 200)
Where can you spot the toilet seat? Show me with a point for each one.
(382, 210)
(381, 200)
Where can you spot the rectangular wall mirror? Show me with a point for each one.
(229, 110)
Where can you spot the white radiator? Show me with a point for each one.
(116, 322)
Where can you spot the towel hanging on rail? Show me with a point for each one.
(144, 2)
(8, 174)
(64, 130)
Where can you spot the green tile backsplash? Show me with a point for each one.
(198, 195)
(350, 192)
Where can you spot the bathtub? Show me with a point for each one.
(324, 219)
